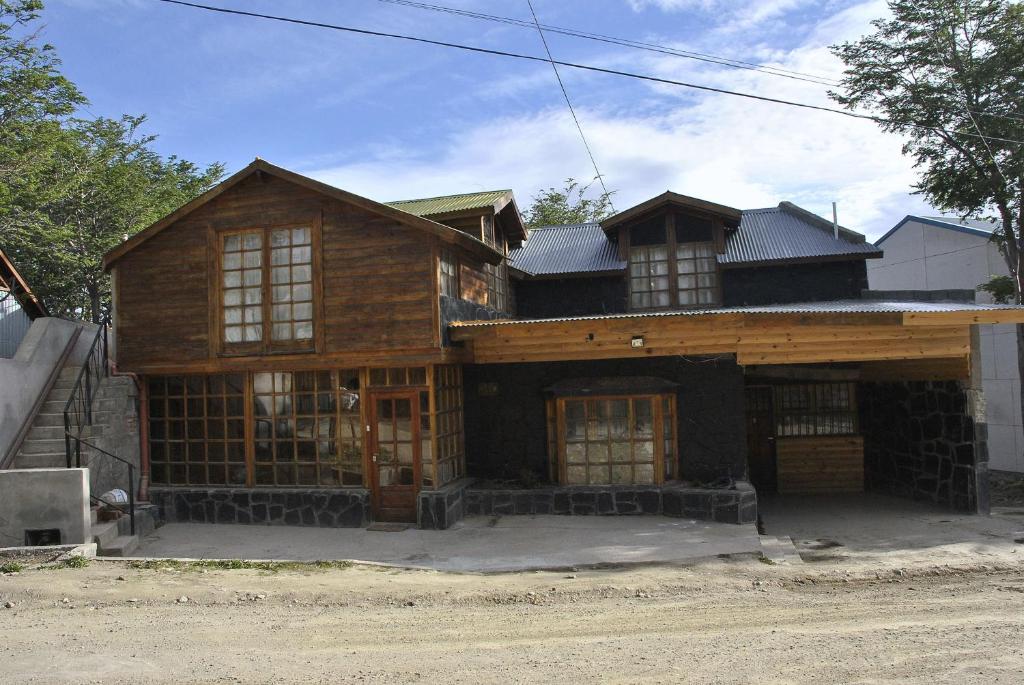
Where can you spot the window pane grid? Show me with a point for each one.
(451, 463)
(291, 278)
(497, 286)
(242, 292)
(449, 274)
(697, 274)
(307, 428)
(197, 430)
(648, 277)
(612, 440)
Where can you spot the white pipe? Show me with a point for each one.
(835, 222)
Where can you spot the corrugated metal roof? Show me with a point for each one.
(787, 233)
(431, 206)
(832, 307)
(777, 234)
(579, 248)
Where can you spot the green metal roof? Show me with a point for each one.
(432, 206)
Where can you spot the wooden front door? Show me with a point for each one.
(761, 438)
(395, 455)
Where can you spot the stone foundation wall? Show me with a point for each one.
(341, 508)
(921, 441)
(442, 508)
(704, 504)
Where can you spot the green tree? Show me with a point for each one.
(568, 205)
(948, 75)
(35, 102)
(71, 188)
(112, 185)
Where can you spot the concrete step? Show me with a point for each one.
(121, 546)
(44, 432)
(44, 446)
(105, 532)
(50, 419)
(40, 461)
(779, 550)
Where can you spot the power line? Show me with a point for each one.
(573, 65)
(626, 42)
(565, 94)
(654, 47)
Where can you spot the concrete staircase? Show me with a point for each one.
(114, 538)
(114, 428)
(44, 444)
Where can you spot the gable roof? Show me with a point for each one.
(258, 165)
(668, 197)
(13, 281)
(958, 225)
(776, 235)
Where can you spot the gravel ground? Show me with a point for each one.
(725, 621)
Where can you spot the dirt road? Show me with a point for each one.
(729, 621)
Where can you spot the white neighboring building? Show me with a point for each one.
(942, 253)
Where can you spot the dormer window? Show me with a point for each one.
(672, 263)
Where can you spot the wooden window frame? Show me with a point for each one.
(222, 348)
(662, 471)
(447, 255)
(671, 245)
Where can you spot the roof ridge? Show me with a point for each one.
(442, 197)
(553, 226)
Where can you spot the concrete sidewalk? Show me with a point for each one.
(478, 544)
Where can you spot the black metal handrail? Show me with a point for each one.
(131, 476)
(78, 409)
(78, 413)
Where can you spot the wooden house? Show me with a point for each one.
(314, 357)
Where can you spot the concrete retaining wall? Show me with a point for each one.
(43, 499)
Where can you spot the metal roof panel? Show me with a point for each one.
(830, 307)
(572, 249)
(446, 204)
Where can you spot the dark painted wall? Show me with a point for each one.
(794, 283)
(570, 297)
(921, 442)
(507, 433)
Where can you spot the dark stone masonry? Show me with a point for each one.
(442, 508)
(737, 505)
(343, 508)
(921, 441)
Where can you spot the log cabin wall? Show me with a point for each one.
(378, 278)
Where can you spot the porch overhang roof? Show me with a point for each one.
(812, 332)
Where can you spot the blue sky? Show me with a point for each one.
(390, 119)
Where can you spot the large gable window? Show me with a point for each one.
(267, 289)
(672, 263)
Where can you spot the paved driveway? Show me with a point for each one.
(891, 530)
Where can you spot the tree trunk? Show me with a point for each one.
(95, 303)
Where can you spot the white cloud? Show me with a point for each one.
(736, 151)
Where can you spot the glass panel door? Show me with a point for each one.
(395, 455)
